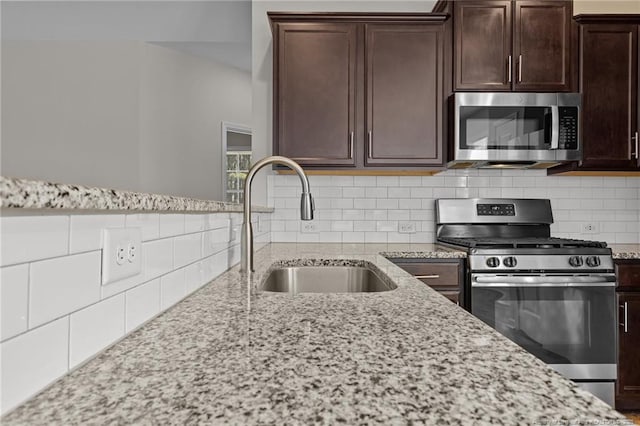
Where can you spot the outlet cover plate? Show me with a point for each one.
(121, 240)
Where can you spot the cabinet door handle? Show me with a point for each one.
(370, 153)
(509, 69)
(520, 69)
(426, 276)
(625, 322)
(351, 145)
(635, 138)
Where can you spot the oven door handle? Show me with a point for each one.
(545, 281)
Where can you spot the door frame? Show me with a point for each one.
(227, 126)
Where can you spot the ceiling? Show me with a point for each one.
(218, 30)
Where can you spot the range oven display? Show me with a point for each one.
(496, 210)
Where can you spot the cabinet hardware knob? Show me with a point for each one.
(426, 276)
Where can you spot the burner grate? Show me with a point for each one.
(522, 242)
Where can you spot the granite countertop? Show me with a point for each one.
(226, 354)
(33, 194)
(625, 251)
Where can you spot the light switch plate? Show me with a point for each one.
(121, 251)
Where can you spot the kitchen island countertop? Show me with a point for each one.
(227, 355)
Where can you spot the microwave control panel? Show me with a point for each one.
(568, 137)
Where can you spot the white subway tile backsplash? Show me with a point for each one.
(158, 257)
(409, 181)
(95, 327)
(148, 222)
(14, 300)
(353, 192)
(194, 223)
(421, 193)
(575, 200)
(142, 303)
(29, 238)
(33, 360)
(387, 204)
(387, 180)
(187, 249)
(86, 230)
(172, 288)
(329, 192)
(364, 203)
(171, 225)
(364, 181)
(342, 226)
(375, 192)
(49, 295)
(62, 285)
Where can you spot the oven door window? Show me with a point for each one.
(559, 325)
(505, 128)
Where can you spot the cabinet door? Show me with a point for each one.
(482, 33)
(609, 82)
(404, 94)
(314, 93)
(628, 384)
(541, 50)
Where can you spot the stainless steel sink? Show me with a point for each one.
(325, 279)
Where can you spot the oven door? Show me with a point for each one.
(567, 321)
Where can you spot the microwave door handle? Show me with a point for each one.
(555, 127)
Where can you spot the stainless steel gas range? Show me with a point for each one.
(554, 297)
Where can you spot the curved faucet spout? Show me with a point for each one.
(306, 205)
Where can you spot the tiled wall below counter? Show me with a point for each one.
(55, 314)
(379, 208)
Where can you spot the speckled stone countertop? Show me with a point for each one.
(230, 354)
(33, 194)
(625, 251)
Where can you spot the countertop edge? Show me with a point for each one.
(40, 195)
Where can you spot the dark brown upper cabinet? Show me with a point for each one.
(404, 94)
(315, 92)
(609, 87)
(521, 45)
(359, 90)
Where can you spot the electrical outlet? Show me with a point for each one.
(590, 228)
(407, 228)
(121, 253)
(308, 226)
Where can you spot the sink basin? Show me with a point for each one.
(325, 279)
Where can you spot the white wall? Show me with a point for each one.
(262, 60)
(608, 6)
(70, 112)
(373, 208)
(117, 114)
(55, 315)
(183, 101)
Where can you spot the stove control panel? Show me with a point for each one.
(496, 210)
(540, 262)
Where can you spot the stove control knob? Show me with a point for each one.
(510, 262)
(593, 261)
(575, 261)
(493, 262)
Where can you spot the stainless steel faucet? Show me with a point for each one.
(306, 206)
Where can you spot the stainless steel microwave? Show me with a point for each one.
(515, 130)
